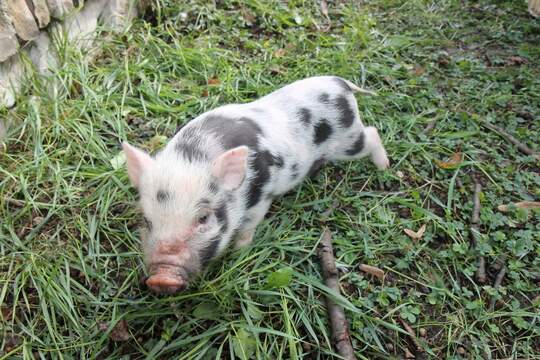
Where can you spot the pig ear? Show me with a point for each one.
(230, 167)
(137, 162)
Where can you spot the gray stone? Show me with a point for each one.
(118, 13)
(22, 20)
(80, 27)
(8, 44)
(11, 77)
(3, 129)
(60, 8)
(8, 39)
(42, 54)
(41, 12)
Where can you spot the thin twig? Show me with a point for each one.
(14, 202)
(430, 126)
(412, 334)
(340, 326)
(496, 285)
(475, 231)
(324, 11)
(521, 146)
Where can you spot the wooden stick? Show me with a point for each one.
(412, 334)
(521, 146)
(475, 231)
(496, 285)
(340, 326)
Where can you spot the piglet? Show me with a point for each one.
(214, 181)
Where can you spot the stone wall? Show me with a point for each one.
(30, 28)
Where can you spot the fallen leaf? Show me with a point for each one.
(156, 142)
(528, 205)
(11, 342)
(516, 60)
(249, 17)
(280, 278)
(6, 313)
(276, 70)
(206, 310)
(454, 161)
(118, 161)
(409, 354)
(119, 332)
(213, 81)
(416, 235)
(244, 345)
(279, 53)
(324, 8)
(372, 270)
(418, 70)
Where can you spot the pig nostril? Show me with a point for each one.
(165, 284)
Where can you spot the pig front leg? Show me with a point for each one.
(254, 216)
(244, 239)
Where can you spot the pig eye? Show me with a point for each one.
(203, 219)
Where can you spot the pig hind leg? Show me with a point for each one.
(366, 141)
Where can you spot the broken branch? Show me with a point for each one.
(412, 334)
(340, 326)
(521, 146)
(475, 231)
(496, 285)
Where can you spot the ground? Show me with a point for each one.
(70, 260)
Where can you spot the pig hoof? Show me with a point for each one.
(380, 159)
(244, 239)
(165, 284)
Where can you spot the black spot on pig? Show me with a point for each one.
(209, 251)
(357, 146)
(304, 115)
(203, 203)
(316, 167)
(191, 152)
(324, 98)
(261, 167)
(323, 130)
(162, 196)
(294, 171)
(346, 113)
(234, 132)
(278, 161)
(213, 187)
(221, 216)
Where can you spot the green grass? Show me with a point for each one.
(70, 261)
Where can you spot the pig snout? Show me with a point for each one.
(166, 280)
(167, 272)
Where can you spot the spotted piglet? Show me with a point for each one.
(215, 180)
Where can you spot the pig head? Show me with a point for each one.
(187, 208)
